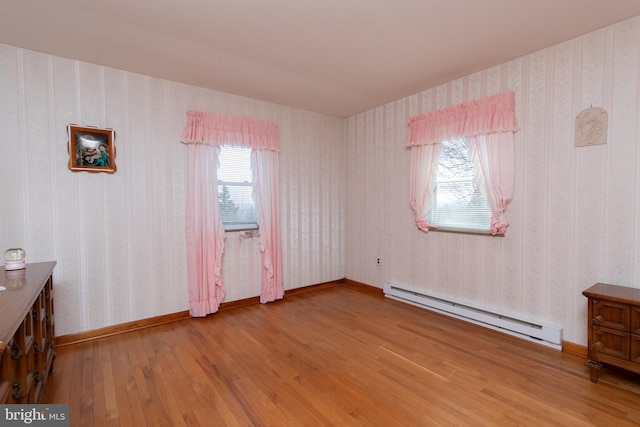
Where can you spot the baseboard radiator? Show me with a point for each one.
(548, 335)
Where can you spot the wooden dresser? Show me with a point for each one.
(27, 346)
(614, 327)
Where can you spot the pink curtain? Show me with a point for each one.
(488, 124)
(424, 172)
(264, 164)
(216, 129)
(205, 233)
(493, 157)
(203, 134)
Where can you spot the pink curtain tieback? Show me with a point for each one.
(498, 226)
(423, 224)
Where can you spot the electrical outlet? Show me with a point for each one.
(378, 262)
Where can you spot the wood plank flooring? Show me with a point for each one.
(333, 357)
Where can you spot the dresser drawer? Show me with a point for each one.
(611, 342)
(612, 315)
(635, 348)
(635, 320)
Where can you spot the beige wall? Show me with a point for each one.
(119, 239)
(575, 217)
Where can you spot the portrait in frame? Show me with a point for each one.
(91, 149)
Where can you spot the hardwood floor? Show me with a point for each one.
(335, 356)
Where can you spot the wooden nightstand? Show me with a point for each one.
(614, 327)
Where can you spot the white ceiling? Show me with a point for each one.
(338, 57)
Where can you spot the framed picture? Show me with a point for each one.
(91, 149)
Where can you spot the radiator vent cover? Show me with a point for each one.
(548, 335)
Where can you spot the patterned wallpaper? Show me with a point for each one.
(119, 239)
(575, 217)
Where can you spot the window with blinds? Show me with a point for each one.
(235, 187)
(458, 205)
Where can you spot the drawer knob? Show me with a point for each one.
(18, 394)
(596, 322)
(15, 351)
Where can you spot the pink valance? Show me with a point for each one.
(216, 129)
(484, 116)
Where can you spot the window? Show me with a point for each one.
(235, 187)
(457, 203)
(204, 135)
(444, 172)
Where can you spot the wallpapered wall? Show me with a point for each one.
(119, 239)
(575, 217)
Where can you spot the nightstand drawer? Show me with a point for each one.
(611, 342)
(635, 348)
(607, 314)
(635, 320)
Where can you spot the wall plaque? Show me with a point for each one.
(591, 127)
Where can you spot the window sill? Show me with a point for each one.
(444, 229)
(240, 227)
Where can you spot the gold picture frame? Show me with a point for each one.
(91, 149)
